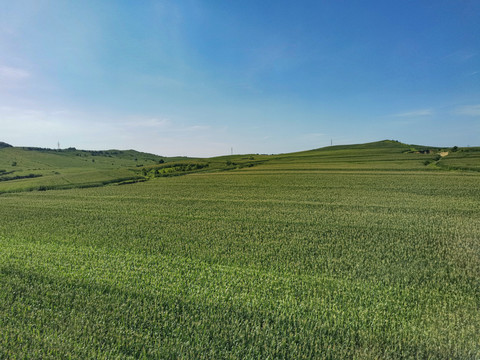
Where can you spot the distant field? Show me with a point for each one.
(69, 168)
(363, 252)
(465, 159)
(31, 169)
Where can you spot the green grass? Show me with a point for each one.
(69, 168)
(29, 169)
(464, 159)
(306, 255)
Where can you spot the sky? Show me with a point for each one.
(203, 78)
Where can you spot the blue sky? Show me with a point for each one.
(200, 77)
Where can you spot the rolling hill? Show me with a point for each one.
(29, 168)
(348, 252)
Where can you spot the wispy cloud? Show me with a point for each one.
(313, 135)
(155, 123)
(469, 110)
(414, 113)
(45, 126)
(197, 127)
(163, 124)
(461, 56)
(12, 73)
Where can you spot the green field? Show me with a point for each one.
(361, 252)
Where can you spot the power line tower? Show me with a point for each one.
(58, 145)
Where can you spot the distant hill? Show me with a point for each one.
(383, 144)
(372, 145)
(33, 168)
(4, 145)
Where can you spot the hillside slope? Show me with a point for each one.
(35, 168)
(40, 169)
(386, 155)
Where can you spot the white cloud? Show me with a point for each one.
(469, 110)
(415, 113)
(197, 127)
(43, 127)
(461, 56)
(155, 123)
(7, 72)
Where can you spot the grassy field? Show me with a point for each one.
(31, 169)
(466, 159)
(362, 252)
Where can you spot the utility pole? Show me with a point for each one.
(331, 142)
(58, 145)
(231, 151)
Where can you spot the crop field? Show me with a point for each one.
(355, 252)
(463, 160)
(26, 169)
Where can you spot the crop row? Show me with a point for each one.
(245, 264)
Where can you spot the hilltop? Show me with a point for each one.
(33, 168)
